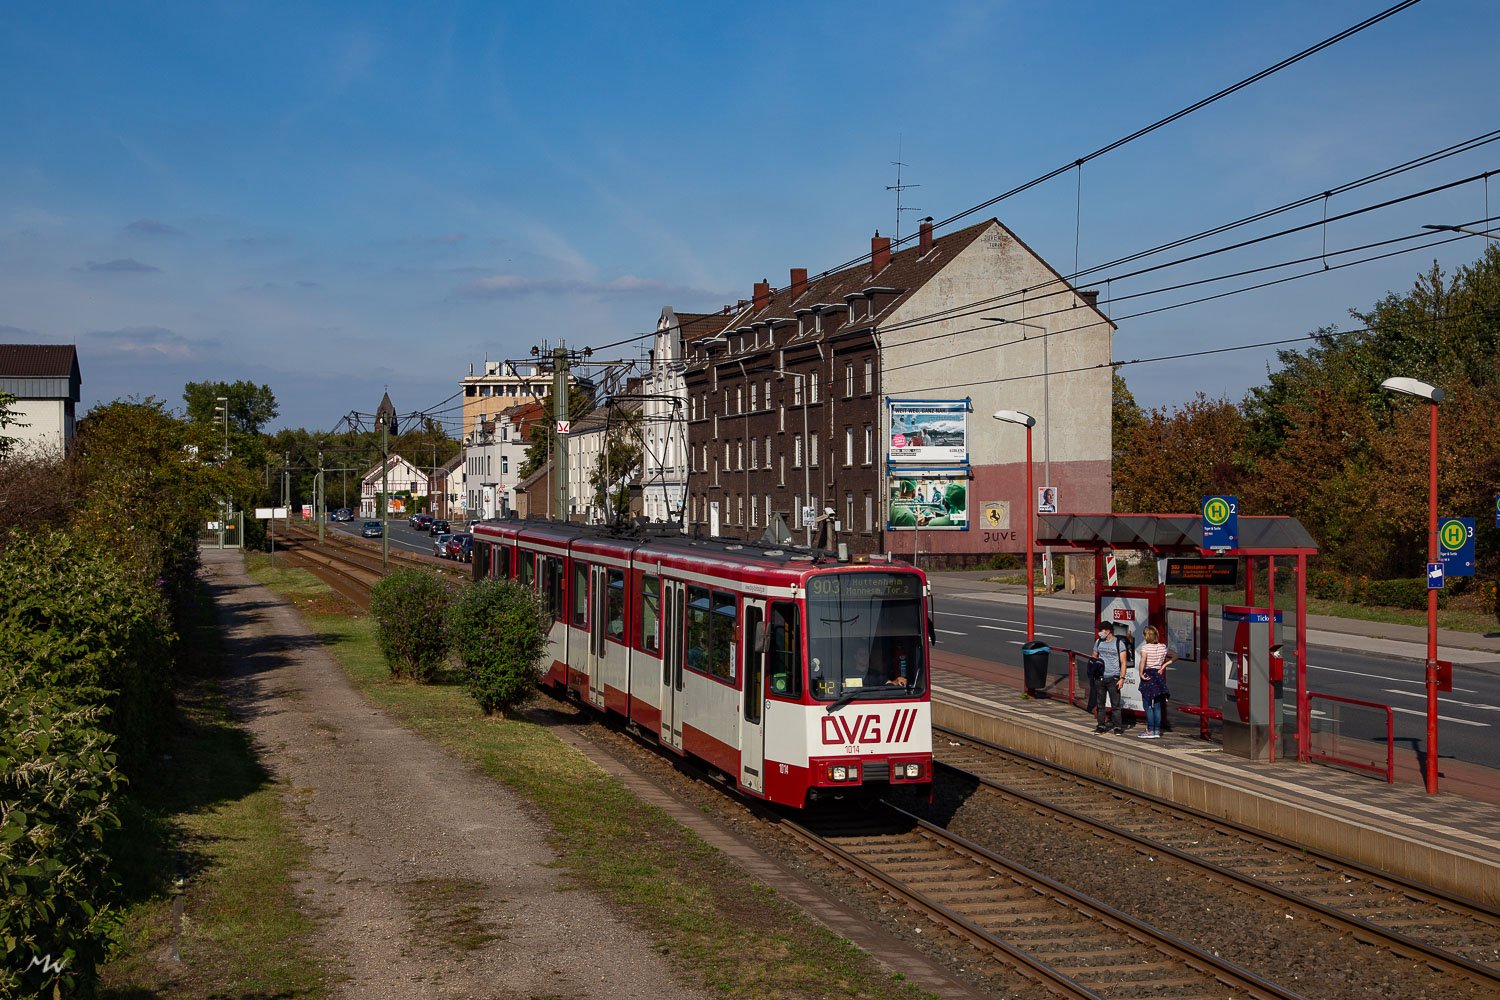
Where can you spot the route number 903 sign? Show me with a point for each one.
(1456, 545)
(1221, 522)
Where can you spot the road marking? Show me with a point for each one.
(1445, 718)
(1383, 678)
(1450, 701)
(1018, 621)
(949, 631)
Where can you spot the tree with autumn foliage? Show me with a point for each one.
(1175, 455)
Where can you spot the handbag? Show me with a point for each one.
(1096, 669)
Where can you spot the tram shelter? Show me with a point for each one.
(1253, 666)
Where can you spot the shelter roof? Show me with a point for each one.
(1171, 533)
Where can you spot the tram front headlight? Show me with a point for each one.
(912, 770)
(838, 772)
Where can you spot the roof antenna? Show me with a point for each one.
(898, 187)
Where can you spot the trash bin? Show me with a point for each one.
(1034, 665)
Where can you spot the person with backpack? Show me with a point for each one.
(1110, 659)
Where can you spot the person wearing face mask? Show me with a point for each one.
(1109, 648)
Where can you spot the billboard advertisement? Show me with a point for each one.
(932, 432)
(929, 499)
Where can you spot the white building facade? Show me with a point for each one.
(401, 476)
(45, 380)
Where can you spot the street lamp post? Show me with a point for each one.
(222, 411)
(1434, 396)
(1046, 419)
(1027, 421)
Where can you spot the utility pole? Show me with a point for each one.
(286, 492)
(560, 366)
(318, 498)
(222, 410)
(385, 415)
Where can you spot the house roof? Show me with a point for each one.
(40, 371)
(38, 360)
(393, 461)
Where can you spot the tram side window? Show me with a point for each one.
(482, 561)
(526, 570)
(502, 562)
(785, 655)
(615, 621)
(552, 586)
(650, 616)
(711, 617)
(580, 594)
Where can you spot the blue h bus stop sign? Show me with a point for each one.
(1456, 545)
(1221, 522)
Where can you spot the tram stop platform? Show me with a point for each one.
(1450, 840)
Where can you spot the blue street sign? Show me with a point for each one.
(1456, 545)
(1435, 576)
(1221, 522)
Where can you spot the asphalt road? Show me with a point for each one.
(993, 627)
(403, 536)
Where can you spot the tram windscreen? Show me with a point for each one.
(865, 636)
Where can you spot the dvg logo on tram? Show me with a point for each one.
(844, 730)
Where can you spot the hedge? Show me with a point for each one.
(499, 632)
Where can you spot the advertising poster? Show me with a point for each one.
(929, 500)
(931, 432)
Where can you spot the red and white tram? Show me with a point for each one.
(799, 676)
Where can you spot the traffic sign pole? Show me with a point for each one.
(1432, 601)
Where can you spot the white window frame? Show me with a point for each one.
(848, 379)
(812, 450)
(869, 375)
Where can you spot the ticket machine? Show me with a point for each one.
(1252, 681)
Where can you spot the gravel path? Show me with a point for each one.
(432, 879)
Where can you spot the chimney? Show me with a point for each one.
(1090, 297)
(880, 253)
(926, 238)
(799, 282)
(762, 293)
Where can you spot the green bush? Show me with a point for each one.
(57, 784)
(74, 619)
(499, 631)
(1402, 593)
(409, 606)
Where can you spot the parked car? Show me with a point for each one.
(440, 544)
(420, 521)
(461, 547)
(371, 529)
(437, 527)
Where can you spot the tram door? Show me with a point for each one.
(598, 622)
(752, 718)
(674, 603)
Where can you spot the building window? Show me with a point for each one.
(754, 511)
(768, 394)
(812, 449)
(797, 511)
(781, 416)
(739, 507)
(869, 375)
(739, 399)
(796, 451)
(504, 465)
(768, 451)
(768, 510)
(849, 379)
(869, 512)
(812, 387)
(848, 511)
(781, 472)
(869, 443)
(848, 445)
(739, 454)
(754, 397)
(797, 391)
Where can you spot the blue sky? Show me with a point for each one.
(336, 198)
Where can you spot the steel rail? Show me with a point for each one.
(1218, 973)
(1331, 868)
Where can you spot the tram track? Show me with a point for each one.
(1453, 936)
(1066, 942)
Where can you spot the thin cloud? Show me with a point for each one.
(120, 265)
(502, 286)
(144, 343)
(151, 227)
(15, 331)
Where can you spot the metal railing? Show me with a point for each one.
(1390, 737)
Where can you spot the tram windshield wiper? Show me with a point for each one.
(843, 700)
